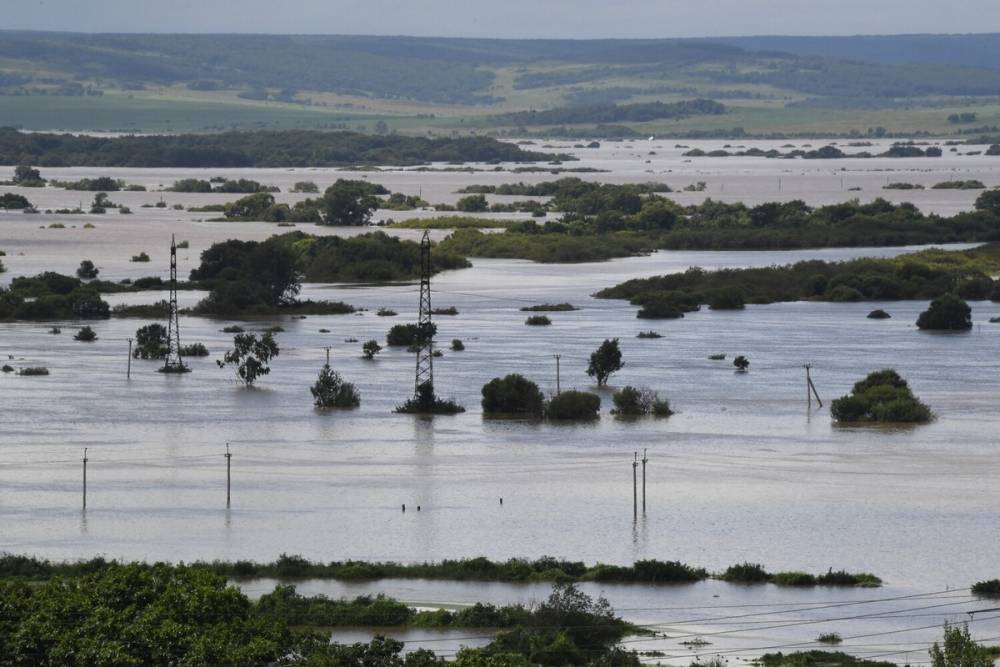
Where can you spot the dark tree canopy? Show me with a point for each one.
(605, 360)
(349, 203)
(513, 395)
(946, 313)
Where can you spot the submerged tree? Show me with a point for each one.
(959, 650)
(605, 360)
(150, 342)
(946, 313)
(87, 270)
(370, 348)
(331, 391)
(251, 356)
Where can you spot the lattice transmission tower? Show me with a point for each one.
(173, 362)
(425, 349)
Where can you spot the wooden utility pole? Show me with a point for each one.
(557, 356)
(229, 458)
(811, 388)
(327, 355)
(635, 492)
(128, 372)
(644, 459)
(85, 459)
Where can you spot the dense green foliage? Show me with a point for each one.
(817, 658)
(87, 270)
(617, 221)
(989, 588)
(513, 395)
(754, 573)
(638, 402)
(572, 405)
(52, 296)
(882, 397)
(332, 391)
(12, 200)
(947, 312)
(921, 275)
(86, 335)
(251, 356)
(605, 360)
(550, 308)
(409, 334)
(349, 203)
(135, 615)
(958, 648)
(291, 148)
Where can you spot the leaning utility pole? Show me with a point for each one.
(173, 362)
(425, 330)
(811, 388)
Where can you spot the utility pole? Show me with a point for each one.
(85, 459)
(328, 355)
(811, 388)
(128, 371)
(635, 493)
(229, 458)
(557, 356)
(644, 459)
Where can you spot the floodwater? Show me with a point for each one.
(743, 471)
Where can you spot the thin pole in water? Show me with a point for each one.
(229, 458)
(128, 371)
(644, 459)
(635, 492)
(85, 459)
(327, 355)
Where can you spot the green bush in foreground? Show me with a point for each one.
(882, 397)
(331, 391)
(633, 402)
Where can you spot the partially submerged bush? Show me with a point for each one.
(141, 257)
(746, 573)
(370, 349)
(194, 350)
(879, 314)
(882, 397)
(633, 402)
(946, 313)
(550, 308)
(829, 638)
(538, 321)
(574, 405)
(86, 334)
(648, 334)
(457, 345)
(425, 402)
(987, 589)
(513, 395)
(331, 391)
(409, 334)
(34, 370)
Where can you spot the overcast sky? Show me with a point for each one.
(510, 18)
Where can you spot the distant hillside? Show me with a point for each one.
(964, 50)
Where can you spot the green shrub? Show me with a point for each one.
(538, 321)
(426, 402)
(633, 402)
(879, 314)
(988, 589)
(829, 638)
(648, 334)
(745, 573)
(409, 334)
(141, 257)
(882, 397)
(512, 395)
(574, 405)
(730, 298)
(331, 391)
(793, 579)
(194, 350)
(550, 307)
(86, 334)
(946, 313)
(33, 370)
(457, 345)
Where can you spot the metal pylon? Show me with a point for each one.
(173, 362)
(425, 349)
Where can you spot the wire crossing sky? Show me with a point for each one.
(575, 19)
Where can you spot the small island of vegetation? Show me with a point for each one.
(881, 398)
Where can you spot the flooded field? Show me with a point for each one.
(742, 472)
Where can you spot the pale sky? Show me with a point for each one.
(509, 18)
